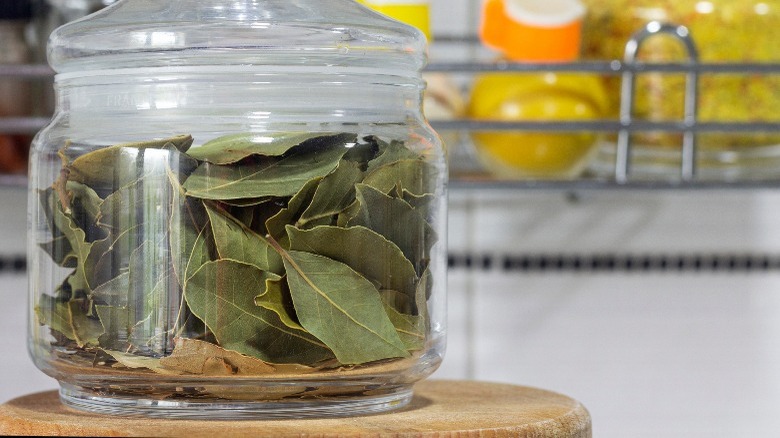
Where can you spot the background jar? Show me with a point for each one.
(238, 208)
(724, 31)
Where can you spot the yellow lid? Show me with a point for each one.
(412, 12)
(533, 30)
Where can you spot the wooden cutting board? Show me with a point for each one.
(440, 408)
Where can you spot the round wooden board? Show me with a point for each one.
(439, 408)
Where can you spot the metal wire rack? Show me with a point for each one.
(625, 126)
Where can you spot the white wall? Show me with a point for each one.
(650, 354)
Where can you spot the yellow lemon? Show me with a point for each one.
(536, 97)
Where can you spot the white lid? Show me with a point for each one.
(545, 13)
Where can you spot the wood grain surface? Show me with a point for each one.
(439, 409)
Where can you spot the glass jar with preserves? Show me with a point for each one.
(532, 31)
(723, 31)
(237, 210)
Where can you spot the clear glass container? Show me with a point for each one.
(724, 31)
(238, 210)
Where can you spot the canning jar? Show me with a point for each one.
(238, 210)
(724, 31)
(532, 31)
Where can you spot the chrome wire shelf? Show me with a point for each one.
(625, 126)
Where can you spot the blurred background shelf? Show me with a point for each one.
(467, 171)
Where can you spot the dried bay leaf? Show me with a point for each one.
(390, 153)
(116, 327)
(233, 148)
(410, 328)
(189, 232)
(134, 361)
(414, 176)
(277, 224)
(386, 264)
(121, 164)
(399, 301)
(280, 177)
(85, 210)
(58, 245)
(333, 195)
(81, 249)
(397, 221)
(420, 202)
(60, 252)
(70, 319)
(341, 308)
(140, 211)
(348, 214)
(248, 202)
(235, 241)
(192, 356)
(277, 298)
(222, 294)
(363, 152)
(113, 292)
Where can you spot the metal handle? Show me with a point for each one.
(628, 93)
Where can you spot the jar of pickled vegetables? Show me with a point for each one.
(532, 31)
(237, 210)
(733, 31)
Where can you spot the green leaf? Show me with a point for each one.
(398, 222)
(390, 153)
(115, 166)
(235, 241)
(367, 252)
(57, 246)
(280, 177)
(248, 202)
(116, 326)
(222, 294)
(424, 288)
(420, 202)
(348, 214)
(60, 252)
(233, 148)
(400, 301)
(70, 319)
(415, 176)
(85, 210)
(189, 232)
(363, 152)
(277, 224)
(80, 248)
(113, 292)
(277, 298)
(141, 211)
(333, 195)
(342, 309)
(410, 328)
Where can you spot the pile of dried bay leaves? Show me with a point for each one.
(249, 253)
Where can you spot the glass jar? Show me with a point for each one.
(238, 210)
(724, 31)
(531, 31)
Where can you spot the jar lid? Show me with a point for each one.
(16, 10)
(288, 35)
